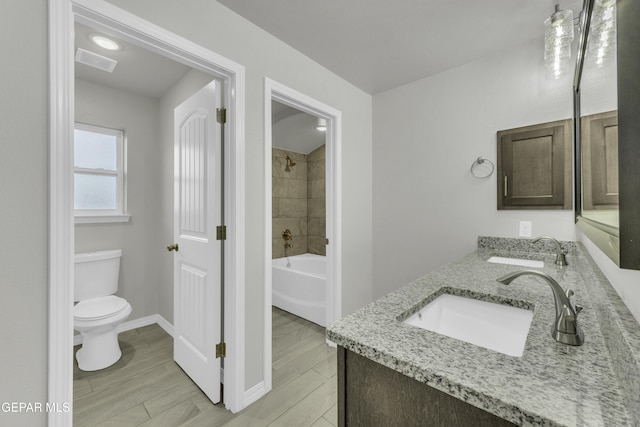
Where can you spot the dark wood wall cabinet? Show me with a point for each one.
(535, 167)
(370, 394)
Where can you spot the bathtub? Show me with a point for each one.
(301, 288)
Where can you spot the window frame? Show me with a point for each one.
(105, 215)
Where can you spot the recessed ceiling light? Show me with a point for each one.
(105, 42)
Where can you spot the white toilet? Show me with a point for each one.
(98, 312)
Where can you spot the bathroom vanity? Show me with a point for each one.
(394, 373)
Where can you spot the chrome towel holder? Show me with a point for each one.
(478, 171)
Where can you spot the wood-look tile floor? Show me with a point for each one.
(146, 387)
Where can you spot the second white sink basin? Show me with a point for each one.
(498, 327)
(517, 261)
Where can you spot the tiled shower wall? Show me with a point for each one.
(316, 212)
(299, 202)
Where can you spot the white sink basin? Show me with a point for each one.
(494, 326)
(517, 261)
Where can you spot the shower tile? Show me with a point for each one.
(316, 169)
(293, 224)
(276, 152)
(277, 167)
(279, 186)
(317, 245)
(277, 248)
(296, 157)
(317, 189)
(299, 171)
(298, 248)
(316, 227)
(297, 189)
(293, 208)
(317, 154)
(317, 208)
(278, 225)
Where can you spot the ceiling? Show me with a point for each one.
(380, 44)
(139, 70)
(146, 73)
(295, 130)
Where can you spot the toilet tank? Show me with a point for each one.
(96, 274)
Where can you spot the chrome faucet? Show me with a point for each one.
(561, 258)
(565, 329)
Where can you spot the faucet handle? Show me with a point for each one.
(577, 308)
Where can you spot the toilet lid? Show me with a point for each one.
(99, 308)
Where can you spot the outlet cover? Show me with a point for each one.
(525, 228)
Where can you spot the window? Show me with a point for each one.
(99, 174)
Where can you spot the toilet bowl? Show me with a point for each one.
(98, 313)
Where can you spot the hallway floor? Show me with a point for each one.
(146, 388)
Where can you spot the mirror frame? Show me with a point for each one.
(621, 244)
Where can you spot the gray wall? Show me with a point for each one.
(217, 28)
(23, 207)
(142, 251)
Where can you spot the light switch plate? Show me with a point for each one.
(525, 228)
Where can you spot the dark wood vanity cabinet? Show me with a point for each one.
(370, 394)
(534, 167)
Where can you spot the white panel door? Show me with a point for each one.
(197, 267)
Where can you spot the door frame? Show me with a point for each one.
(98, 13)
(278, 92)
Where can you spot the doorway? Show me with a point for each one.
(332, 118)
(114, 21)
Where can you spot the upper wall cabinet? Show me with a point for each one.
(534, 167)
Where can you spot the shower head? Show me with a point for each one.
(290, 163)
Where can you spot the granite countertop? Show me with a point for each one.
(552, 384)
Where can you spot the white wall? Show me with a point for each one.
(428, 210)
(142, 250)
(23, 208)
(215, 27)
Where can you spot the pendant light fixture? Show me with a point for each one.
(558, 35)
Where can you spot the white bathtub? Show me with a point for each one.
(301, 288)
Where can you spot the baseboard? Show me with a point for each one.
(137, 323)
(254, 393)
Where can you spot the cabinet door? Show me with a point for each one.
(600, 161)
(534, 167)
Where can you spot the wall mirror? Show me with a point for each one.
(607, 129)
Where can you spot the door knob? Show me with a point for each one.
(172, 247)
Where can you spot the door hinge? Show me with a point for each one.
(221, 115)
(221, 350)
(221, 232)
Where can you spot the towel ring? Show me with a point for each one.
(479, 161)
